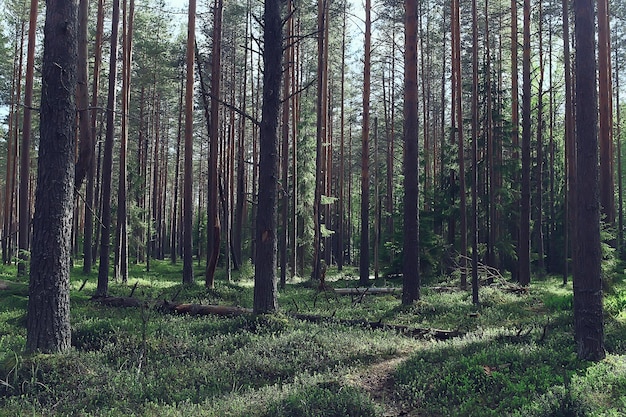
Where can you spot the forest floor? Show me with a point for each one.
(377, 380)
(511, 355)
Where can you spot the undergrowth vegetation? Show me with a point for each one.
(517, 355)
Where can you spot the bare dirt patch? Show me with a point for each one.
(377, 380)
(4, 285)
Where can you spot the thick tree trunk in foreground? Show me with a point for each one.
(410, 267)
(48, 323)
(265, 288)
(588, 321)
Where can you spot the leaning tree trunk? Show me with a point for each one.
(265, 288)
(48, 321)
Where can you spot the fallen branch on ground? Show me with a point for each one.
(367, 290)
(208, 309)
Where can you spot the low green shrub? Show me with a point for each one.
(329, 399)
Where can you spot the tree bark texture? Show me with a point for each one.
(48, 322)
(588, 321)
(265, 285)
(411, 263)
(107, 163)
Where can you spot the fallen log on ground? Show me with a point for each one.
(229, 311)
(367, 290)
(203, 309)
(407, 330)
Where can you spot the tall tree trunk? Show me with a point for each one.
(320, 139)
(523, 250)
(411, 263)
(24, 190)
(588, 320)
(570, 146)
(458, 110)
(174, 218)
(489, 133)
(265, 291)
(213, 222)
(288, 67)
(618, 135)
(121, 253)
(48, 320)
(475, 152)
(341, 211)
(88, 240)
(514, 225)
(85, 156)
(188, 178)
(539, 218)
(607, 183)
(13, 131)
(364, 258)
(107, 164)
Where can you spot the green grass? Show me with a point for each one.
(517, 357)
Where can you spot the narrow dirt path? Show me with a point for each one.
(377, 380)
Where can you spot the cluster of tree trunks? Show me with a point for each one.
(280, 70)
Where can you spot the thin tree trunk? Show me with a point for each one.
(607, 183)
(213, 222)
(86, 147)
(523, 252)
(458, 96)
(539, 218)
(88, 240)
(13, 131)
(364, 258)
(103, 267)
(24, 190)
(121, 267)
(320, 140)
(188, 178)
(514, 225)
(618, 135)
(570, 147)
(475, 152)
(284, 193)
